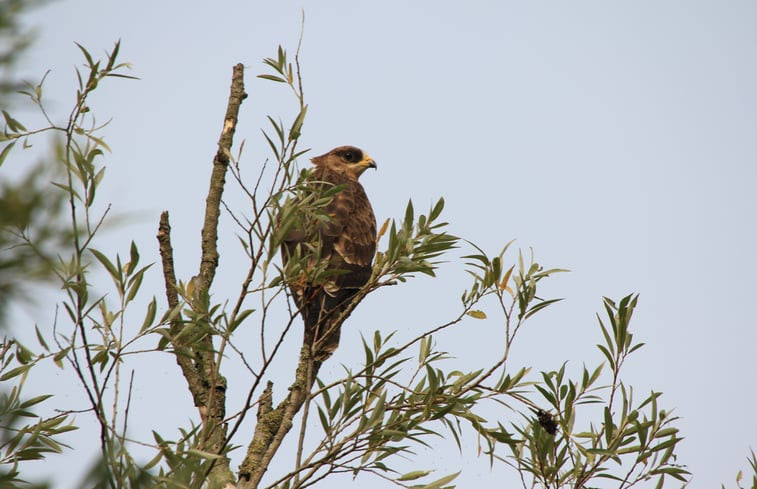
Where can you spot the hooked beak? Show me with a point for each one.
(368, 162)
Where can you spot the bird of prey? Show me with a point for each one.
(342, 244)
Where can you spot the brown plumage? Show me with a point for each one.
(347, 244)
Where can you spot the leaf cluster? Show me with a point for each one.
(24, 435)
(631, 442)
(413, 245)
(553, 429)
(90, 337)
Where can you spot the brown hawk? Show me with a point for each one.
(344, 244)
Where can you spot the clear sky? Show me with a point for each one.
(617, 139)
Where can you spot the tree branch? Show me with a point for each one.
(196, 359)
(169, 276)
(209, 259)
(273, 425)
(166, 255)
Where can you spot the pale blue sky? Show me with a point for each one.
(615, 138)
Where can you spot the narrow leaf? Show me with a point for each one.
(416, 474)
(5, 151)
(272, 78)
(477, 314)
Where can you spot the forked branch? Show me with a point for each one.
(196, 359)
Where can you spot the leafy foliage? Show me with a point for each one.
(557, 430)
(631, 442)
(21, 440)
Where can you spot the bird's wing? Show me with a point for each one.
(348, 240)
(356, 244)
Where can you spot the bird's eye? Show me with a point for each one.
(348, 156)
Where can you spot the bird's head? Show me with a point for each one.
(345, 159)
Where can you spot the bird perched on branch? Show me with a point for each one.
(339, 244)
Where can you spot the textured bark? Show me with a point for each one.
(166, 253)
(274, 424)
(196, 360)
(209, 260)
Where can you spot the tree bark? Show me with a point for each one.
(197, 359)
(274, 424)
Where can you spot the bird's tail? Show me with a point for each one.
(323, 317)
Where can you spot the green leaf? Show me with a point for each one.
(104, 261)
(135, 282)
(69, 190)
(541, 305)
(409, 213)
(153, 461)
(133, 257)
(152, 308)
(86, 53)
(476, 314)
(437, 210)
(675, 472)
(273, 146)
(608, 425)
(12, 123)
(15, 372)
(377, 416)
(666, 432)
(272, 78)
(101, 358)
(58, 357)
(437, 484)
(5, 151)
(294, 132)
(607, 355)
(425, 349)
(661, 446)
(240, 319)
(416, 474)
(40, 338)
(113, 55)
(547, 395)
(278, 127)
(203, 454)
(34, 400)
(324, 420)
(98, 141)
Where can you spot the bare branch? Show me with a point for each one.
(209, 259)
(196, 360)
